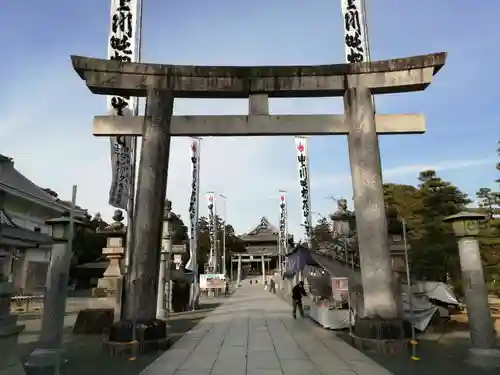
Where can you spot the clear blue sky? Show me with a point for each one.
(46, 111)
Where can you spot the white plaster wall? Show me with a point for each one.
(37, 255)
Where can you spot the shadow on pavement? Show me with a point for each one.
(441, 351)
(85, 355)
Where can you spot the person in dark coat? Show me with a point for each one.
(272, 286)
(298, 292)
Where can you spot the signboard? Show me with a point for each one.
(178, 249)
(340, 289)
(177, 258)
(212, 281)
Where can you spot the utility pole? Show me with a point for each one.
(224, 212)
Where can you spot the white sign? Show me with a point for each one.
(212, 281)
(340, 289)
(194, 204)
(211, 229)
(305, 190)
(178, 249)
(355, 40)
(123, 45)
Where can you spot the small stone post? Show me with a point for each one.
(9, 332)
(48, 353)
(483, 352)
(238, 272)
(162, 280)
(263, 269)
(165, 254)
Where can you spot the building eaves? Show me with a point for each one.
(15, 183)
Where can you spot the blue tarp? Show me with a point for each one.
(297, 259)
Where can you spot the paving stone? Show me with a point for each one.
(252, 333)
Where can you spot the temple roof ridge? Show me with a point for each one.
(264, 226)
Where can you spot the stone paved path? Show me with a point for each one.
(253, 333)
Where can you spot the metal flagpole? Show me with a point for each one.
(413, 341)
(224, 213)
(133, 162)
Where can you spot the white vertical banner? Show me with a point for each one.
(305, 188)
(211, 230)
(123, 45)
(194, 204)
(282, 246)
(355, 33)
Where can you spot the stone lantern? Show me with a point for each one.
(47, 357)
(9, 332)
(483, 353)
(111, 282)
(341, 224)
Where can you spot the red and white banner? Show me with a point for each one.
(282, 248)
(212, 228)
(305, 188)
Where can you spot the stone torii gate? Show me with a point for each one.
(355, 82)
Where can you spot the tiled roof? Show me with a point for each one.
(24, 235)
(264, 227)
(12, 234)
(11, 180)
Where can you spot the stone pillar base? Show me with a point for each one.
(93, 321)
(109, 284)
(484, 358)
(9, 361)
(153, 329)
(44, 362)
(382, 329)
(149, 336)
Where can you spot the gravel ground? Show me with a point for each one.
(84, 353)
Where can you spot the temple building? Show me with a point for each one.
(25, 239)
(261, 244)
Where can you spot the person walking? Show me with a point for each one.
(226, 287)
(298, 292)
(272, 286)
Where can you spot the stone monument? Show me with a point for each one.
(356, 83)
